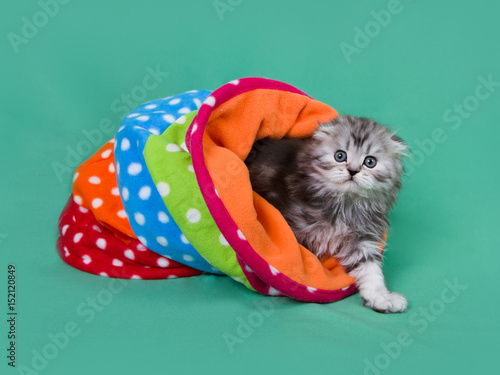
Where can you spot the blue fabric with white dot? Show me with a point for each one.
(142, 200)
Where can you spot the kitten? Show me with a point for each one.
(335, 189)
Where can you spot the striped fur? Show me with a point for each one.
(337, 208)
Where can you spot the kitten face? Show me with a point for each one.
(357, 155)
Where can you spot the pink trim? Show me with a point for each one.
(262, 274)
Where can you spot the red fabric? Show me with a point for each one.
(90, 247)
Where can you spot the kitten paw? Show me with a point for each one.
(388, 302)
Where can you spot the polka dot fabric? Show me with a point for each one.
(89, 246)
(148, 216)
(170, 195)
(95, 188)
(221, 136)
(185, 201)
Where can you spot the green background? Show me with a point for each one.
(71, 76)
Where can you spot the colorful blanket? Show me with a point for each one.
(170, 195)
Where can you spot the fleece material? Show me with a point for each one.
(170, 195)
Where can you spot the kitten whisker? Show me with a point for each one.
(333, 211)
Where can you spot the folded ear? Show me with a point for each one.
(399, 144)
(326, 129)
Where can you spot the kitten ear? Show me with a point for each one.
(324, 130)
(399, 144)
(327, 125)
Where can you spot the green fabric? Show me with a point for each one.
(74, 79)
(169, 161)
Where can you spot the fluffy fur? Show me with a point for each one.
(334, 206)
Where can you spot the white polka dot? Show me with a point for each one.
(132, 115)
(118, 168)
(184, 239)
(187, 258)
(97, 202)
(117, 263)
(172, 147)
(184, 110)
(120, 129)
(103, 274)
(77, 199)
(75, 176)
(64, 229)
(223, 240)
(273, 292)
(151, 106)
(143, 241)
(101, 243)
(134, 169)
(111, 168)
(77, 237)
(125, 194)
(162, 241)
(193, 215)
(174, 101)
(274, 271)
(112, 140)
(83, 209)
(143, 118)
(192, 91)
(235, 82)
(95, 180)
(248, 269)
(184, 147)
(86, 259)
(237, 280)
(139, 218)
(210, 101)
(122, 214)
(311, 289)
(106, 154)
(141, 247)
(163, 188)
(115, 191)
(154, 131)
(96, 228)
(197, 102)
(190, 168)
(171, 277)
(347, 287)
(145, 192)
(66, 251)
(195, 127)
(135, 277)
(169, 118)
(125, 145)
(162, 217)
(129, 254)
(163, 262)
(240, 233)
(181, 120)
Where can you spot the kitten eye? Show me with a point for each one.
(370, 161)
(340, 156)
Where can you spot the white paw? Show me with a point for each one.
(386, 302)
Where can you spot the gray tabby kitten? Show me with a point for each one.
(335, 189)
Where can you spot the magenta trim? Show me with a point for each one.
(261, 276)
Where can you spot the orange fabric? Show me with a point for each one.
(229, 136)
(95, 188)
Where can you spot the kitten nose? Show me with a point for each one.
(352, 173)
